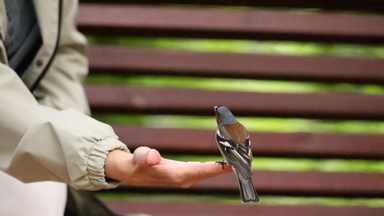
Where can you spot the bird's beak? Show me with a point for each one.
(216, 113)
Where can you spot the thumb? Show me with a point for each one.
(145, 156)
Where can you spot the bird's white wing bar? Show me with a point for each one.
(248, 141)
(223, 141)
(226, 144)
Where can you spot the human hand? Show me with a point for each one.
(146, 167)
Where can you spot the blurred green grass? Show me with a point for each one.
(245, 85)
(234, 199)
(245, 46)
(287, 164)
(266, 124)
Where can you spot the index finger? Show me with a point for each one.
(200, 170)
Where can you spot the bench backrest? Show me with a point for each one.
(153, 19)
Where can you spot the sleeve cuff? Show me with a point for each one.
(96, 163)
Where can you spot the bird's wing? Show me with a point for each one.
(236, 155)
(224, 141)
(241, 164)
(241, 140)
(245, 149)
(237, 132)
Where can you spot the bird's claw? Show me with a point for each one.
(222, 163)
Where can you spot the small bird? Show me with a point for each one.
(235, 146)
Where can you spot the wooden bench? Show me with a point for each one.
(153, 19)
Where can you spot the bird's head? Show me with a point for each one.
(224, 115)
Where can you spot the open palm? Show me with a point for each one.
(146, 167)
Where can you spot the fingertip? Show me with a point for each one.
(141, 150)
(153, 157)
(145, 156)
(225, 167)
(216, 168)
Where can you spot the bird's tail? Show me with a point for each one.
(247, 191)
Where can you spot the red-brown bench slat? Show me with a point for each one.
(188, 101)
(192, 141)
(224, 23)
(209, 209)
(127, 61)
(356, 5)
(311, 183)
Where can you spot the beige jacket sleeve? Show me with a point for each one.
(40, 143)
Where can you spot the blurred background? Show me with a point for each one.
(253, 123)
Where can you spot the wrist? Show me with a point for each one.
(117, 165)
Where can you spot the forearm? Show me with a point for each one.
(40, 143)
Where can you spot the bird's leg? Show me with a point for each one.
(222, 163)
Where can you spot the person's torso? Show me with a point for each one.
(51, 196)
